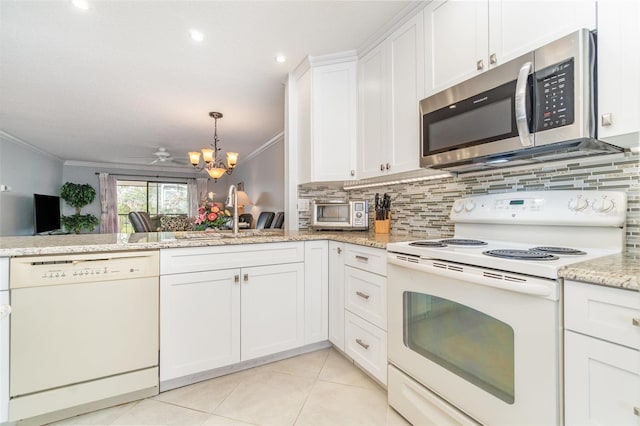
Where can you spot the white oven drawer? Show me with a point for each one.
(366, 296)
(603, 312)
(366, 258)
(366, 344)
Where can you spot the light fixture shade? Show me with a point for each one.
(232, 159)
(194, 157)
(216, 172)
(207, 155)
(243, 199)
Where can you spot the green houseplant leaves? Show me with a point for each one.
(77, 196)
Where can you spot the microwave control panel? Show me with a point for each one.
(555, 100)
(360, 215)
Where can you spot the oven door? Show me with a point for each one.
(331, 215)
(470, 336)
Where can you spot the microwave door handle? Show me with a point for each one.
(521, 105)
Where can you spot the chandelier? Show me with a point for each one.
(214, 167)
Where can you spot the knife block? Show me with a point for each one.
(382, 226)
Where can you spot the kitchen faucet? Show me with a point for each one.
(232, 201)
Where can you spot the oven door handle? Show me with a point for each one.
(518, 287)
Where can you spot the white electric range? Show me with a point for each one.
(474, 321)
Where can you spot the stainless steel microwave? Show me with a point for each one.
(333, 214)
(538, 107)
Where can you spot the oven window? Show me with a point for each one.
(469, 343)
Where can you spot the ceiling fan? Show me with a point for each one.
(163, 156)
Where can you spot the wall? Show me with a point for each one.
(26, 171)
(263, 177)
(423, 207)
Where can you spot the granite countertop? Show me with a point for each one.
(618, 270)
(87, 243)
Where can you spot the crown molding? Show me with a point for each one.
(268, 144)
(17, 141)
(333, 58)
(408, 12)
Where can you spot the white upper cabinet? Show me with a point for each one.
(390, 84)
(322, 112)
(618, 78)
(465, 38)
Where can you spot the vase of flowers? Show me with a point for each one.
(211, 215)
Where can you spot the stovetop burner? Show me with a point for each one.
(560, 250)
(463, 242)
(520, 254)
(427, 244)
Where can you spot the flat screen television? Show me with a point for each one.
(46, 212)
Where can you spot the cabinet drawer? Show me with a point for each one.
(367, 258)
(366, 295)
(196, 259)
(607, 313)
(367, 345)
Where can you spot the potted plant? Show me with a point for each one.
(77, 196)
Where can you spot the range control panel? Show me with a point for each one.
(582, 208)
(82, 268)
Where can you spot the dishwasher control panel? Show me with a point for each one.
(67, 269)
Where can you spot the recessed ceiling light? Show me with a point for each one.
(81, 4)
(281, 58)
(196, 35)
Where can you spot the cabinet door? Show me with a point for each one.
(456, 40)
(199, 322)
(517, 27)
(336, 294)
(316, 291)
(272, 309)
(602, 382)
(372, 106)
(618, 70)
(406, 54)
(333, 109)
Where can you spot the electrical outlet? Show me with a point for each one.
(303, 205)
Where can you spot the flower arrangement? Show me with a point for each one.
(210, 215)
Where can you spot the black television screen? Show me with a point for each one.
(46, 210)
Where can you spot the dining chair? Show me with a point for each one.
(264, 220)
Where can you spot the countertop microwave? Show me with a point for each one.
(339, 214)
(538, 107)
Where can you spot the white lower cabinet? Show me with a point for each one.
(316, 291)
(336, 294)
(199, 322)
(365, 303)
(602, 355)
(212, 317)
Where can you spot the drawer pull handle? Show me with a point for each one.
(363, 258)
(363, 344)
(363, 295)
(636, 411)
(636, 322)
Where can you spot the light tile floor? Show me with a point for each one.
(318, 388)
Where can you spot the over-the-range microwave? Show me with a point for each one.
(538, 107)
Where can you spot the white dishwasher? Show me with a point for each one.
(83, 332)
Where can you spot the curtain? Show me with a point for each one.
(108, 203)
(197, 189)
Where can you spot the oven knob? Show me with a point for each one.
(578, 204)
(602, 205)
(359, 215)
(469, 205)
(458, 206)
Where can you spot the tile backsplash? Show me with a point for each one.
(423, 207)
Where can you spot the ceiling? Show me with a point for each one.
(124, 78)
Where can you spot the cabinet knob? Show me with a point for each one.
(607, 119)
(339, 250)
(636, 322)
(636, 411)
(493, 59)
(480, 65)
(236, 278)
(245, 277)
(388, 166)
(353, 172)
(381, 167)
